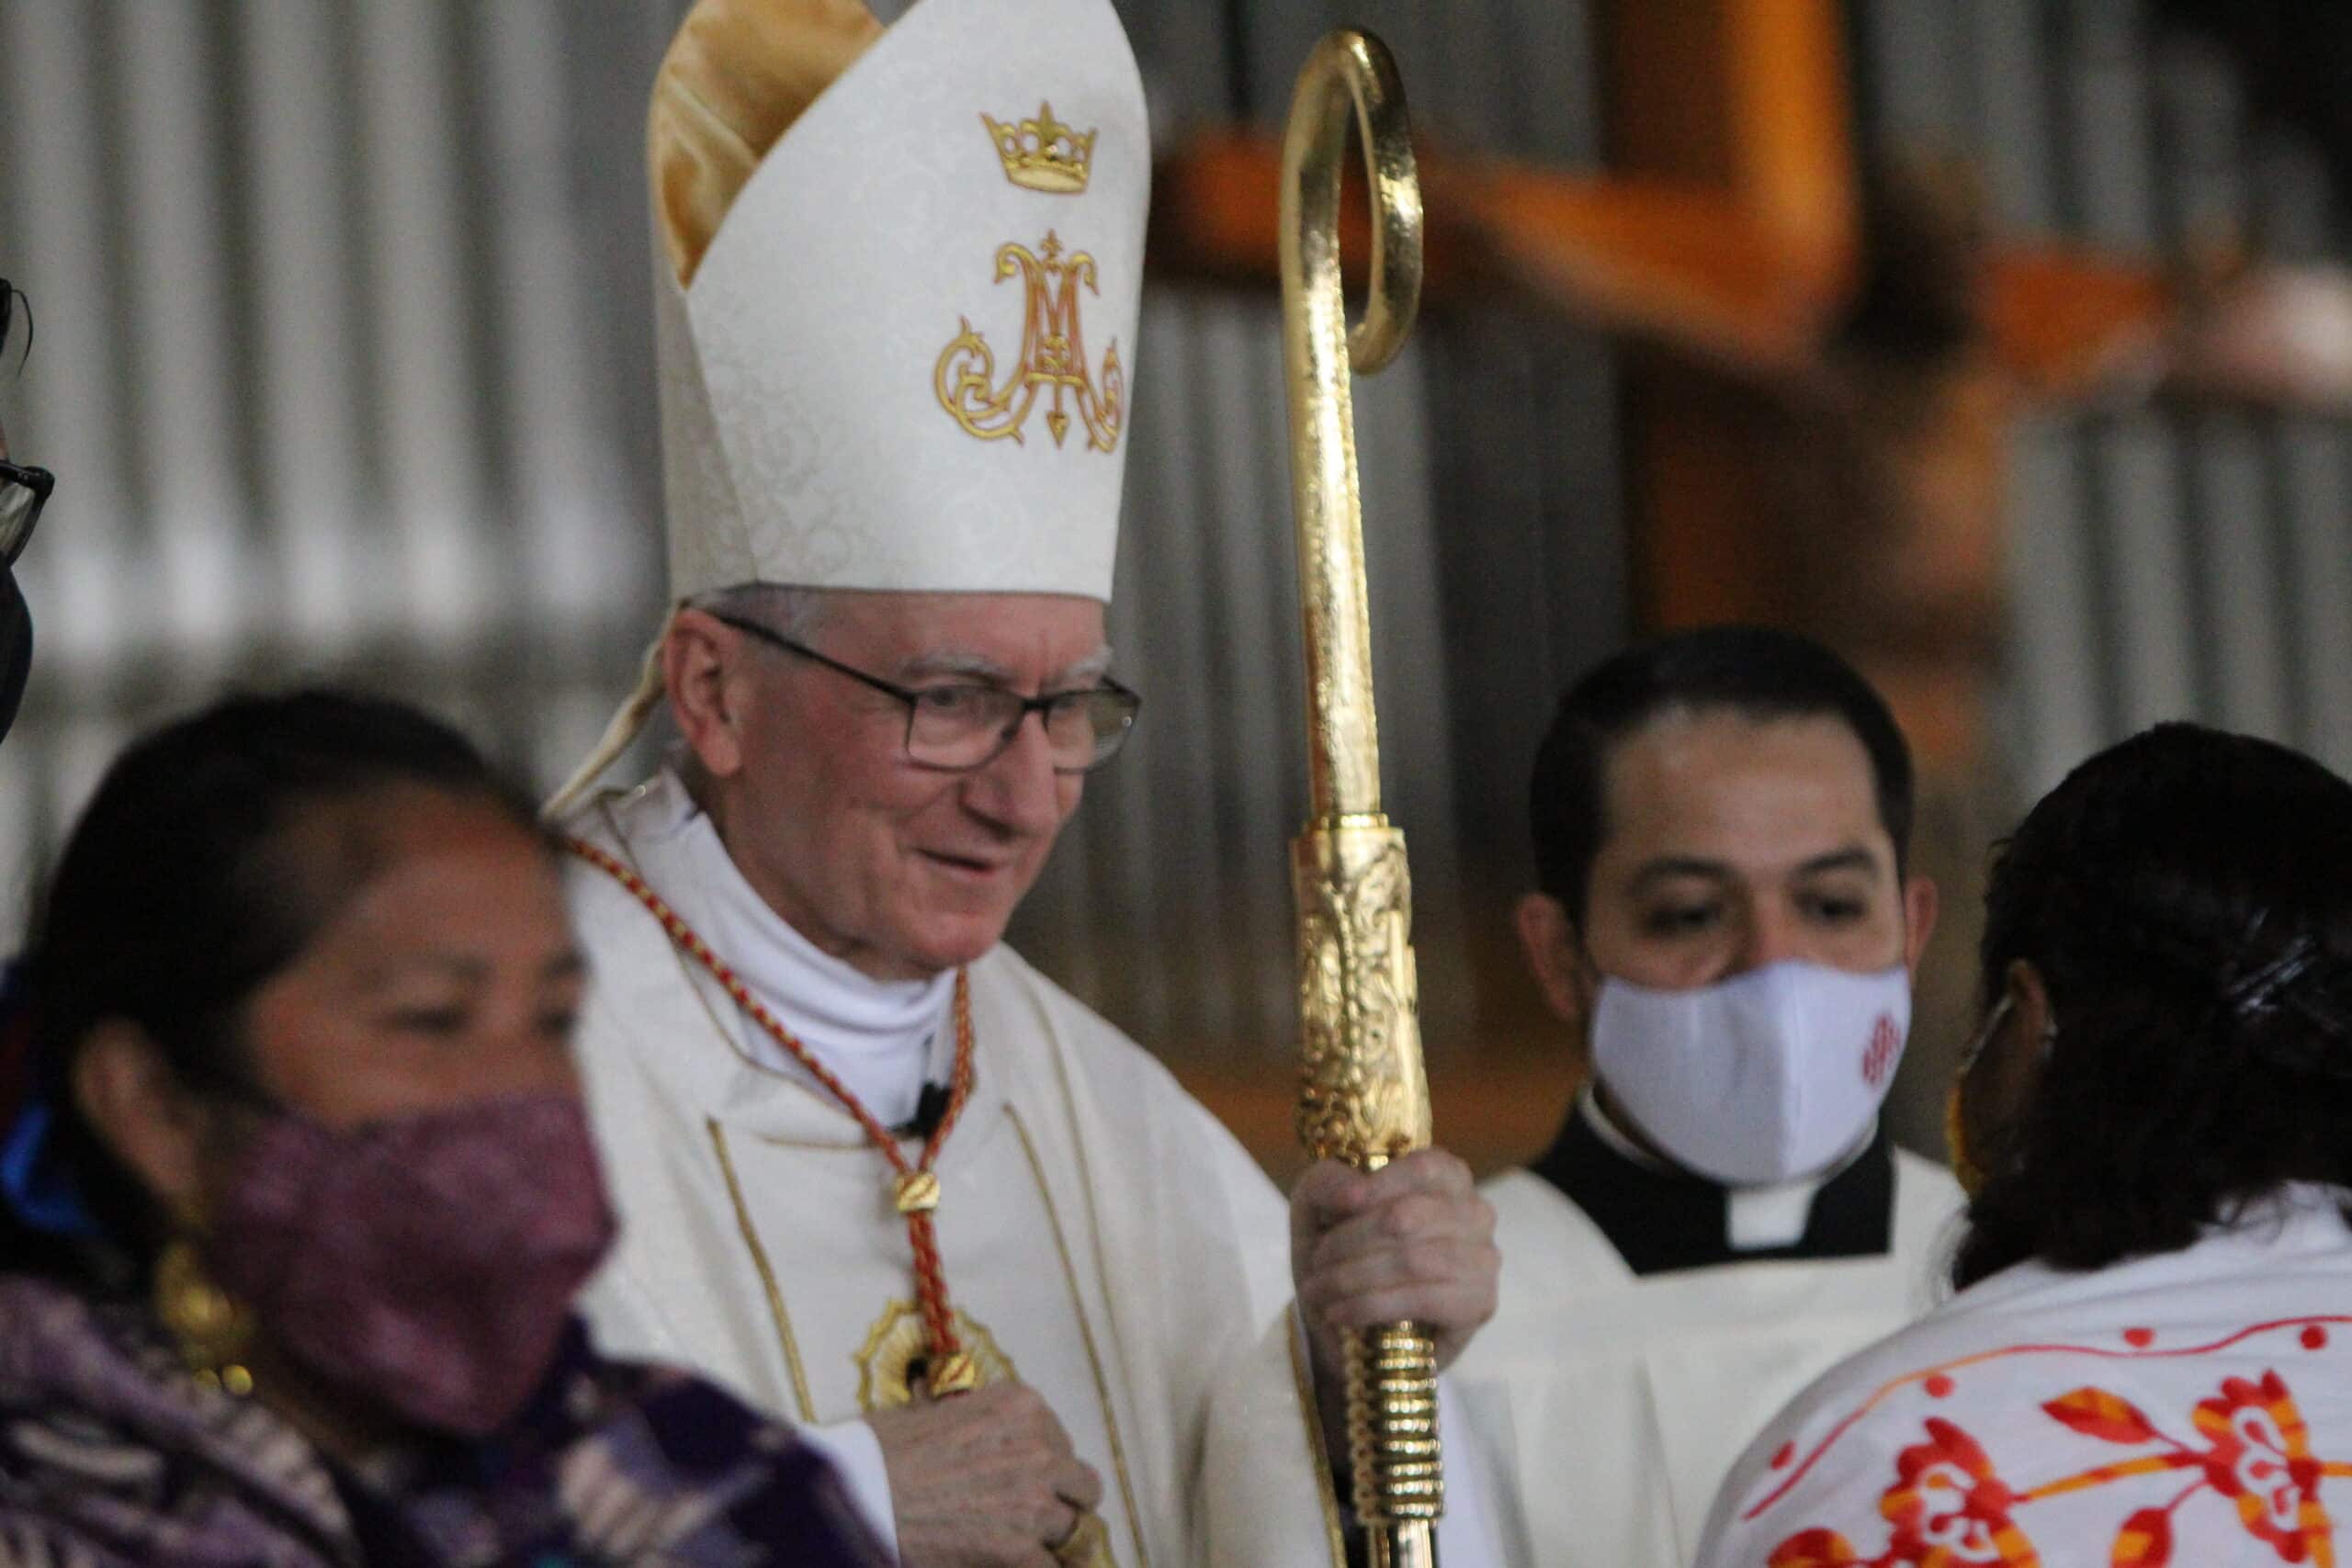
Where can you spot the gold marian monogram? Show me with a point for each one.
(1053, 359)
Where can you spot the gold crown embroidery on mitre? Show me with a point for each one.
(1042, 154)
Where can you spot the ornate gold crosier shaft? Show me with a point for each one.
(1363, 1097)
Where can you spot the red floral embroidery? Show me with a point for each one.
(2144, 1541)
(2261, 1460)
(1947, 1510)
(1814, 1549)
(1950, 1509)
(2094, 1413)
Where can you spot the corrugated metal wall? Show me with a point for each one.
(344, 364)
(341, 362)
(2163, 563)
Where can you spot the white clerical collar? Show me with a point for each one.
(1768, 1215)
(882, 1038)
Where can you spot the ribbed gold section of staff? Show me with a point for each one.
(1362, 1095)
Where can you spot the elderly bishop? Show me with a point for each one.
(876, 1172)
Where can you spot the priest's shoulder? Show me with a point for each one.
(1068, 1048)
(620, 826)
(603, 821)
(1542, 1231)
(1053, 1014)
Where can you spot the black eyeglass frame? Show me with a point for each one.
(1131, 702)
(40, 481)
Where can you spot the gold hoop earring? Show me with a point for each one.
(1964, 1168)
(211, 1327)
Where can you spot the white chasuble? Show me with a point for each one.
(1112, 1245)
(2187, 1410)
(1607, 1405)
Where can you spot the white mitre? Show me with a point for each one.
(897, 278)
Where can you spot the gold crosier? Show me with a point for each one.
(1362, 1095)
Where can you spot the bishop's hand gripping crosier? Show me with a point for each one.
(1363, 1097)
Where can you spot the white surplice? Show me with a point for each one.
(2191, 1409)
(1606, 1406)
(1113, 1242)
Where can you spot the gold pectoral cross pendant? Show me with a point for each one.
(895, 1364)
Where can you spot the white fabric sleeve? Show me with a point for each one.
(857, 1456)
(1466, 1533)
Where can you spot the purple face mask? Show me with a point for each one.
(425, 1264)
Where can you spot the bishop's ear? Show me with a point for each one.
(702, 657)
(1556, 958)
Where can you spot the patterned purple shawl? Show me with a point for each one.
(111, 1456)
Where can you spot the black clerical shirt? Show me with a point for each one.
(1661, 1220)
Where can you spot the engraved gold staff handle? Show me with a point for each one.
(1362, 1096)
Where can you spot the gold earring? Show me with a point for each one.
(1964, 1168)
(210, 1325)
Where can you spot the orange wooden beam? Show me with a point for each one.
(1646, 258)
(1747, 99)
(1657, 261)
(1215, 211)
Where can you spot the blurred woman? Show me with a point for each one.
(2149, 1359)
(299, 1190)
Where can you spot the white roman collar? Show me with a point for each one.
(882, 1038)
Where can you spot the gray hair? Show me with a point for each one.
(785, 610)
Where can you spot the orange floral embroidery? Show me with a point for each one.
(1814, 1549)
(1949, 1507)
(2261, 1460)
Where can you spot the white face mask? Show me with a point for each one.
(1763, 1078)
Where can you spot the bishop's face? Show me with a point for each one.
(897, 868)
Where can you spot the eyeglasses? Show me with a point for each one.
(956, 728)
(23, 492)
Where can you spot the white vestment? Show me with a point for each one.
(2192, 1409)
(1111, 1239)
(1606, 1406)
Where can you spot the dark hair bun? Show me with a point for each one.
(2186, 898)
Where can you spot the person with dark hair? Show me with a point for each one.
(1724, 923)
(2145, 1362)
(295, 1189)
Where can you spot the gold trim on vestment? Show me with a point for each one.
(767, 1276)
(1085, 1333)
(776, 1312)
(1318, 1458)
